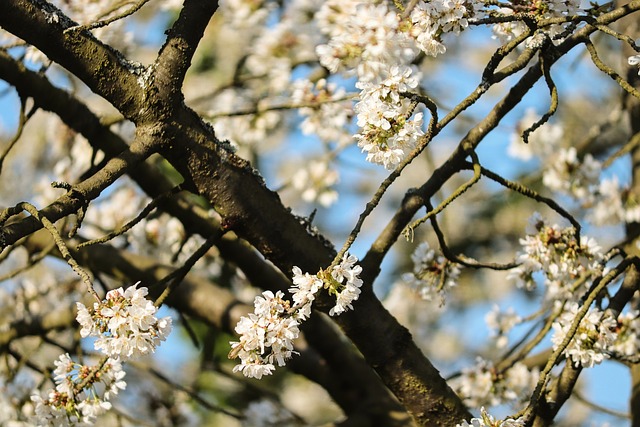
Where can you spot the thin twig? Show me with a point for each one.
(143, 214)
(375, 200)
(525, 191)
(553, 92)
(51, 228)
(625, 85)
(103, 23)
(599, 285)
(408, 231)
(176, 276)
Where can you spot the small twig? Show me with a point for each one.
(462, 259)
(625, 85)
(22, 121)
(62, 247)
(579, 396)
(259, 110)
(176, 276)
(525, 191)
(190, 391)
(34, 260)
(633, 143)
(103, 23)
(408, 231)
(553, 92)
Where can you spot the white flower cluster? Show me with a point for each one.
(500, 323)
(607, 200)
(315, 182)
(267, 334)
(432, 274)
(125, 326)
(568, 174)
(430, 19)
(544, 9)
(328, 113)
(377, 45)
(388, 132)
(482, 385)
(556, 253)
(592, 341)
(487, 420)
(543, 142)
(82, 393)
(627, 343)
(124, 323)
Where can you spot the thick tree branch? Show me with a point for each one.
(174, 59)
(100, 67)
(81, 194)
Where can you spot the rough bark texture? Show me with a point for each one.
(152, 100)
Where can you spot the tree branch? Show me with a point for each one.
(99, 66)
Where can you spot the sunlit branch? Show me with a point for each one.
(176, 276)
(186, 389)
(634, 142)
(457, 193)
(462, 259)
(525, 191)
(33, 261)
(599, 285)
(51, 228)
(609, 71)
(279, 107)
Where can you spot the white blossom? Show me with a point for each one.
(481, 384)
(568, 174)
(266, 336)
(76, 401)
(556, 253)
(593, 339)
(487, 420)
(315, 182)
(348, 272)
(124, 323)
(500, 323)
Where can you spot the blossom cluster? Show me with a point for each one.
(432, 274)
(483, 385)
(501, 323)
(82, 392)
(486, 420)
(124, 323)
(267, 334)
(557, 254)
(546, 9)
(125, 326)
(593, 339)
(377, 44)
(627, 341)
